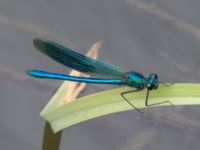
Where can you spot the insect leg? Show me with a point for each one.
(132, 91)
(154, 104)
(167, 85)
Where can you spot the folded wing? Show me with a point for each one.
(77, 61)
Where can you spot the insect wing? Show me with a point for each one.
(77, 61)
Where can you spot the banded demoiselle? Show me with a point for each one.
(112, 74)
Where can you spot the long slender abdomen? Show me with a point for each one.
(49, 75)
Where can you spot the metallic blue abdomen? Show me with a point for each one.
(136, 80)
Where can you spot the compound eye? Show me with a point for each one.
(156, 76)
(153, 75)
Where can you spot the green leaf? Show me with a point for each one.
(110, 101)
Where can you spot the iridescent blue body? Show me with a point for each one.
(111, 74)
(74, 60)
(43, 74)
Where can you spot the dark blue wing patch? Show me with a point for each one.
(77, 61)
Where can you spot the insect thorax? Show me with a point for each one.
(136, 80)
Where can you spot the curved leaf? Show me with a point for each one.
(110, 101)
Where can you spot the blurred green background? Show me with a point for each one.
(142, 35)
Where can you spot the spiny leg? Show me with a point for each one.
(154, 104)
(132, 91)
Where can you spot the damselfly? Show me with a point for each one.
(79, 62)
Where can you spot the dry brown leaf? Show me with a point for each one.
(74, 88)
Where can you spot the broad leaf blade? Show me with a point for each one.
(110, 101)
